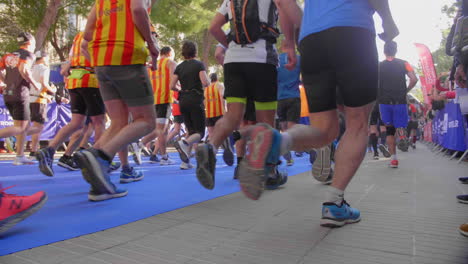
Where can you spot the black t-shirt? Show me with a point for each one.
(189, 75)
(17, 88)
(392, 81)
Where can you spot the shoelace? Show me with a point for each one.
(4, 194)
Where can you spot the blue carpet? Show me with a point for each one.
(68, 213)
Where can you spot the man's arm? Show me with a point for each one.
(174, 80)
(204, 79)
(142, 23)
(216, 29)
(413, 80)
(290, 16)
(24, 69)
(383, 9)
(220, 51)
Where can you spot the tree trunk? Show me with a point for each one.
(55, 44)
(207, 42)
(50, 16)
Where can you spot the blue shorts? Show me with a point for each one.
(394, 115)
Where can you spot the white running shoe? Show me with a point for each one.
(136, 153)
(185, 166)
(166, 161)
(22, 160)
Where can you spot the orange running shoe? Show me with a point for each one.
(14, 208)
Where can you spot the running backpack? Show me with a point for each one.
(246, 27)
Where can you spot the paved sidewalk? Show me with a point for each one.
(410, 215)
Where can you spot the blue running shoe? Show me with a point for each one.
(96, 196)
(228, 154)
(337, 216)
(463, 198)
(280, 178)
(206, 164)
(130, 175)
(115, 165)
(45, 157)
(154, 159)
(264, 150)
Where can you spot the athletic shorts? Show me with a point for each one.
(38, 112)
(211, 122)
(129, 83)
(163, 110)
(289, 110)
(413, 125)
(87, 101)
(250, 114)
(343, 57)
(193, 110)
(179, 119)
(257, 81)
(375, 119)
(19, 110)
(394, 115)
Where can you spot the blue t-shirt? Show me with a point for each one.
(288, 81)
(320, 15)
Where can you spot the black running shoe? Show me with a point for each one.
(68, 163)
(45, 157)
(206, 164)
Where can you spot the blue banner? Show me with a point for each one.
(58, 115)
(449, 128)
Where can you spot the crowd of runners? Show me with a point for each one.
(256, 116)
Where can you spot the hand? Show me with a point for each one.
(84, 49)
(64, 100)
(460, 76)
(390, 30)
(290, 49)
(154, 53)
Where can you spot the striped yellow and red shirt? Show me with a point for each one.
(78, 61)
(213, 101)
(116, 40)
(160, 80)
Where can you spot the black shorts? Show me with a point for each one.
(179, 119)
(341, 56)
(193, 110)
(289, 110)
(86, 101)
(250, 114)
(375, 119)
(257, 81)
(413, 125)
(19, 110)
(38, 112)
(163, 110)
(211, 122)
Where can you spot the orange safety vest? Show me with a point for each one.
(213, 101)
(116, 40)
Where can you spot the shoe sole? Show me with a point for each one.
(182, 154)
(384, 151)
(14, 219)
(131, 180)
(462, 201)
(43, 166)
(322, 164)
(205, 170)
(228, 154)
(66, 166)
(92, 173)
(463, 232)
(22, 163)
(136, 159)
(376, 158)
(107, 196)
(252, 175)
(332, 223)
(393, 166)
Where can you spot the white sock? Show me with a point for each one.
(286, 143)
(394, 157)
(165, 156)
(334, 195)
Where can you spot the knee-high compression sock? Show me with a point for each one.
(383, 138)
(373, 141)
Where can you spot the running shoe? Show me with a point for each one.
(329, 179)
(67, 163)
(322, 165)
(288, 158)
(376, 156)
(166, 161)
(184, 150)
(22, 160)
(273, 183)
(463, 198)
(154, 159)
(264, 150)
(338, 215)
(299, 154)
(15, 208)
(312, 156)
(393, 164)
(236, 173)
(206, 164)
(114, 166)
(32, 154)
(45, 157)
(463, 180)
(228, 154)
(384, 151)
(403, 144)
(130, 175)
(144, 150)
(136, 153)
(10, 144)
(95, 171)
(185, 166)
(464, 229)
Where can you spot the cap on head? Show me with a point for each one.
(24, 37)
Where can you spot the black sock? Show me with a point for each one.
(103, 155)
(239, 159)
(236, 135)
(66, 156)
(373, 141)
